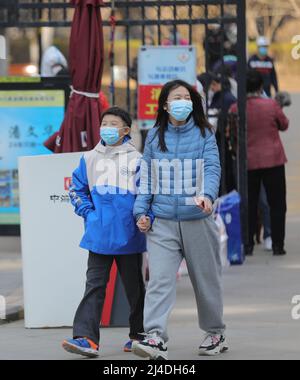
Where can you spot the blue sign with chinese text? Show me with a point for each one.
(27, 119)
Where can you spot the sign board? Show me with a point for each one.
(28, 118)
(158, 65)
(2, 47)
(53, 264)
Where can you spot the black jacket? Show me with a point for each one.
(267, 69)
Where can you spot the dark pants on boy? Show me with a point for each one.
(275, 186)
(88, 315)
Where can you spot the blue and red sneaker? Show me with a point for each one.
(128, 345)
(81, 346)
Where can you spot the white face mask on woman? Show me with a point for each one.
(180, 109)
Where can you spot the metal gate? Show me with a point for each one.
(156, 18)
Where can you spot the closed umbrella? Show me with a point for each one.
(80, 128)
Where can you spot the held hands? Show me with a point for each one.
(204, 203)
(144, 223)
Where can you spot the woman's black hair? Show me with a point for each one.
(119, 112)
(204, 79)
(162, 119)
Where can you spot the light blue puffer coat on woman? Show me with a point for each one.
(189, 152)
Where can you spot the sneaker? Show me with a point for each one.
(81, 346)
(128, 345)
(152, 347)
(213, 345)
(268, 244)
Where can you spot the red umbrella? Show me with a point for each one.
(80, 128)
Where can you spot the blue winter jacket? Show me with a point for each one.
(169, 189)
(103, 192)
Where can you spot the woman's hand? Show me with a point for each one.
(204, 203)
(144, 223)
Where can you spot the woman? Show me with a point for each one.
(180, 143)
(266, 160)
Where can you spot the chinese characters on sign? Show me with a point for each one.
(64, 198)
(28, 118)
(148, 107)
(158, 65)
(28, 137)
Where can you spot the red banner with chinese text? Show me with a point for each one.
(148, 96)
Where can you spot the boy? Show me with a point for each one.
(103, 193)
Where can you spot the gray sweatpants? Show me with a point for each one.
(168, 243)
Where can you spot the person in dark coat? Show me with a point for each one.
(264, 64)
(266, 160)
(222, 100)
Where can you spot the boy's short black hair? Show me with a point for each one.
(255, 81)
(121, 113)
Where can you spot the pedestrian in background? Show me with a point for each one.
(266, 160)
(264, 64)
(219, 106)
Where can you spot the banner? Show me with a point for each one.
(158, 65)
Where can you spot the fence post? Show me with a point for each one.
(242, 131)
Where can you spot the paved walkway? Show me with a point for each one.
(258, 314)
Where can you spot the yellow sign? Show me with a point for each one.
(34, 98)
(12, 79)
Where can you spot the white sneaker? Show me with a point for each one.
(268, 244)
(213, 345)
(152, 347)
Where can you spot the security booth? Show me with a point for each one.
(205, 26)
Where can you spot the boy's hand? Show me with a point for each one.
(144, 223)
(204, 203)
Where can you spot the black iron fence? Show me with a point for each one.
(191, 20)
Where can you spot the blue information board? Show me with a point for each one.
(27, 119)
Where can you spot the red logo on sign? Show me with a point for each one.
(67, 183)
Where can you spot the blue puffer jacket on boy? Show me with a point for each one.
(192, 156)
(103, 192)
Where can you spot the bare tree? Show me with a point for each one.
(268, 16)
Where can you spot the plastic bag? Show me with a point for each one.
(229, 209)
(223, 240)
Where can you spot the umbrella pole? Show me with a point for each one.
(112, 53)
